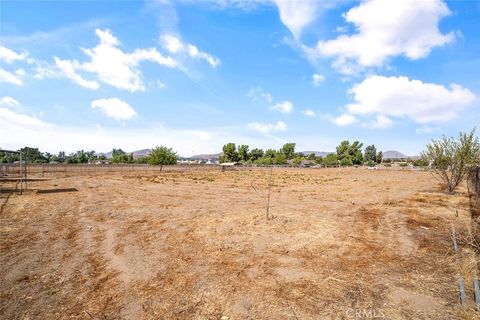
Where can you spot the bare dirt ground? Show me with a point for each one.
(343, 244)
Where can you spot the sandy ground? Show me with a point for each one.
(342, 244)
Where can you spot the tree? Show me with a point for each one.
(370, 153)
(270, 153)
(162, 156)
(230, 153)
(120, 156)
(379, 157)
(288, 150)
(243, 154)
(255, 154)
(352, 151)
(451, 158)
(32, 155)
(330, 160)
(312, 156)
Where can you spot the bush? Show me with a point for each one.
(370, 163)
(452, 158)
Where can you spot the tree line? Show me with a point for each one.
(347, 154)
(159, 155)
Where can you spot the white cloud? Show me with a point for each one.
(68, 68)
(10, 56)
(112, 65)
(317, 79)
(402, 97)
(381, 122)
(309, 113)
(10, 118)
(385, 29)
(268, 127)
(283, 107)
(344, 120)
(176, 46)
(9, 102)
(296, 15)
(257, 93)
(12, 77)
(114, 108)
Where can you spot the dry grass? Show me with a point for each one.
(196, 245)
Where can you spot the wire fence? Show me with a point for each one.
(74, 169)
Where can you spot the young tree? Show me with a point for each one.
(451, 158)
(162, 156)
(243, 154)
(312, 156)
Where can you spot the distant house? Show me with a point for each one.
(99, 162)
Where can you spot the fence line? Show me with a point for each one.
(67, 169)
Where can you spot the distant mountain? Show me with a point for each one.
(136, 154)
(214, 156)
(393, 154)
(141, 153)
(322, 154)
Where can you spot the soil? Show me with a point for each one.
(339, 244)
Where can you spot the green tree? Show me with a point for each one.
(230, 153)
(330, 160)
(288, 149)
(451, 158)
(312, 156)
(270, 153)
(370, 153)
(379, 157)
(243, 154)
(162, 156)
(255, 154)
(352, 151)
(32, 155)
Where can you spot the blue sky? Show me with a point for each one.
(194, 75)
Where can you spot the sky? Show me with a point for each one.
(194, 74)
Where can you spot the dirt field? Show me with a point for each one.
(343, 244)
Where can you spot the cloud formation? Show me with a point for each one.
(109, 64)
(402, 97)
(385, 29)
(283, 107)
(174, 45)
(114, 108)
(268, 127)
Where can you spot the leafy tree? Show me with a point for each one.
(6, 157)
(280, 158)
(255, 154)
(230, 153)
(288, 149)
(330, 160)
(120, 156)
(370, 153)
(162, 156)
(451, 158)
(243, 154)
(297, 160)
(319, 160)
(352, 151)
(346, 161)
(379, 157)
(32, 154)
(270, 153)
(312, 156)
